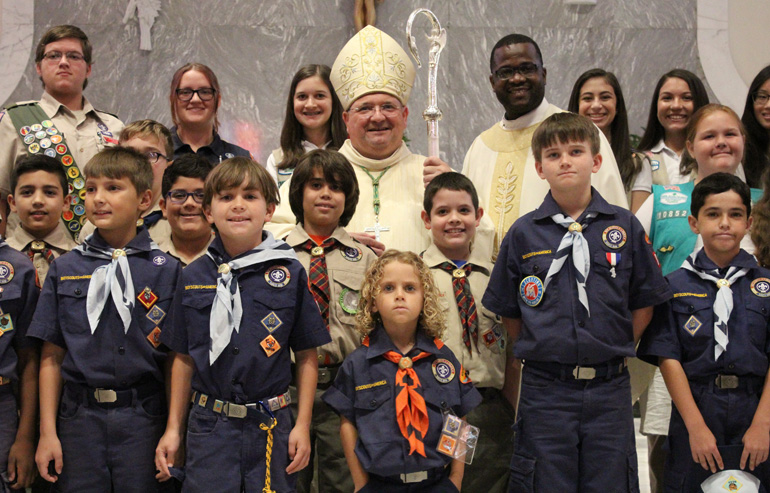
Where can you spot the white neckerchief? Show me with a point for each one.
(113, 279)
(723, 305)
(227, 310)
(572, 241)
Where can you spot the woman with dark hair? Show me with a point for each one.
(195, 98)
(598, 96)
(756, 119)
(678, 94)
(313, 121)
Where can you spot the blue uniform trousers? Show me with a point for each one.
(228, 454)
(107, 447)
(574, 435)
(9, 421)
(728, 414)
(439, 483)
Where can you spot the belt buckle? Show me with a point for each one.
(414, 477)
(727, 381)
(324, 376)
(235, 410)
(584, 373)
(105, 396)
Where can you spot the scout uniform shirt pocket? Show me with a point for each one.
(757, 317)
(9, 303)
(534, 270)
(344, 296)
(197, 301)
(694, 321)
(375, 412)
(73, 291)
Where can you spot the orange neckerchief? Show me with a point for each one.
(411, 412)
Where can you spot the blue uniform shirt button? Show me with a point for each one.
(234, 381)
(581, 324)
(78, 291)
(236, 350)
(690, 308)
(536, 268)
(731, 366)
(443, 405)
(121, 350)
(373, 402)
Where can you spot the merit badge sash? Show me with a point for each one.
(40, 136)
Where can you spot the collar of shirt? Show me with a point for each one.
(216, 146)
(357, 159)
(59, 238)
(141, 241)
(298, 236)
(217, 248)
(549, 207)
(433, 258)
(662, 148)
(309, 146)
(535, 116)
(52, 107)
(742, 260)
(380, 343)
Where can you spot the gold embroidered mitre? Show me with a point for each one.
(371, 62)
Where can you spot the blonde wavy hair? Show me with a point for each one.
(432, 319)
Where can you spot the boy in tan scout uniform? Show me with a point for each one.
(474, 334)
(323, 196)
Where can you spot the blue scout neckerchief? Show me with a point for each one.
(113, 279)
(226, 310)
(572, 241)
(723, 305)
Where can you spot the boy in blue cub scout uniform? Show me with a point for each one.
(238, 312)
(394, 392)
(102, 399)
(712, 342)
(18, 365)
(323, 197)
(584, 290)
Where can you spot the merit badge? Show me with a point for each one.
(79, 183)
(74, 226)
(79, 209)
(40, 135)
(156, 315)
(452, 425)
(692, 325)
(352, 254)
(56, 139)
(443, 370)
(349, 301)
(612, 259)
(531, 290)
(6, 272)
(28, 139)
(6, 323)
(146, 297)
(159, 260)
(52, 131)
(61, 148)
(761, 287)
(45, 143)
(614, 237)
(271, 322)
(317, 251)
(81, 194)
(34, 148)
(47, 123)
(24, 130)
(277, 276)
(50, 152)
(270, 345)
(154, 337)
(464, 377)
(72, 172)
(67, 215)
(36, 127)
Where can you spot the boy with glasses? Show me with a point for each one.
(62, 124)
(190, 234)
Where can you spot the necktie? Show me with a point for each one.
(411, 411)
(466, 305)
(573, 241)
(227, 310)
(109, 280)
(723, 305)
(318, 275)
(43, 249)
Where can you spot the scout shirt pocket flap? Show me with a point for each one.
(272, 299)
(11, 291)
(758, 313)
(536, 265)
(345, 289)
(692, 313)
(444, 397)
(373, 403)
(72, 299)
(198, 298)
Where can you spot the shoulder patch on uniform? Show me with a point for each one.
(6, 272)
(614, 237)
(443, 370)
(761, 287)
(532, 254)
(159, 260)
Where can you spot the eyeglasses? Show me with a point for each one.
(180, 196)
(55, 56)
(153, 156)
(525, 70)
(761, 98)
(206, 94)
(368, 110)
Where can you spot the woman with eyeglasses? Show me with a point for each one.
(195, 98)
(756, 119)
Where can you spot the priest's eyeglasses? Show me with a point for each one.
(205, 93)
(153, 156)
(180, 196)
(55, 56)
(368, 110)
(525, 70)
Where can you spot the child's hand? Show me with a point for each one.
(166, 453)
(299, 448)
(49, 449)
(21, 464)
(704, 449)
(756, 443)
(369, 240)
